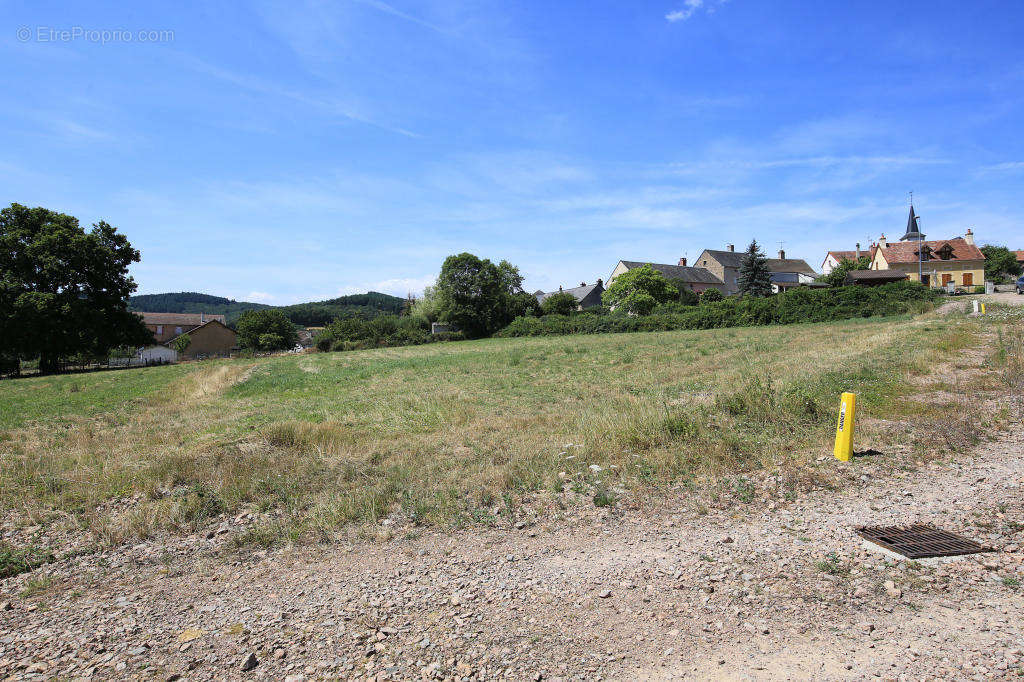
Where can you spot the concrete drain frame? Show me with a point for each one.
(920, 541)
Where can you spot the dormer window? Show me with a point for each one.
(946, 252)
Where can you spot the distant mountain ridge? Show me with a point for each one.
(313, 314)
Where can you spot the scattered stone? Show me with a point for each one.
(250, 662)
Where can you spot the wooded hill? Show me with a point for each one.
(313, 314)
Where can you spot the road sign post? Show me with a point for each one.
(844, 428)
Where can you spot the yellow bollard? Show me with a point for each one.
(844, 429)
(982, 308)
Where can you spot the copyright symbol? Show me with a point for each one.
(24, 33)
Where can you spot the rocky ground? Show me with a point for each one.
(766, 590)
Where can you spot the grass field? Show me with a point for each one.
(447, 433)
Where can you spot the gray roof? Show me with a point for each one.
(685, 273)
(733, 259)
(790, 265)
(579, 292)
(729, 259)
(876, 275)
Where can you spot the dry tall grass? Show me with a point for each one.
(453, 433)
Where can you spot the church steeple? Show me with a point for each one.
(913, 231)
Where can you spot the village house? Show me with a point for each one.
(935, 263)
(834, 258)
(586, 295)
(786, 273)
(696, 279)
(166, 326)
(1020, 258)
(209, 336)
(213, 339)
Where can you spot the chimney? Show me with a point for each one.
(682, 261)
(731, 247)
(599, 282)
(583, 284)
(882, 243)
(782, 255)
(969, 237)
(858, 251)
(559, 288)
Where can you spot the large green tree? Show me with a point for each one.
(480, 297)
(637, 291)
(266, 330)
(64, 291)
(1000, 263)
(755, 279)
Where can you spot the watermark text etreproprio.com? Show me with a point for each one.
(50, 34)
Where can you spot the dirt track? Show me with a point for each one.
(730, 595)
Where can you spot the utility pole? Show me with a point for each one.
(920, 250)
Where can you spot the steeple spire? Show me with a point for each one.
(913, 231)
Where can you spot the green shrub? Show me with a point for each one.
(711, 296)
(14, 560)
(686, 295)
(562, 303)
(356, 333)
(796, 306)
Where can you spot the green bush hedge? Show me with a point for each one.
(798, 305)
(355, 333)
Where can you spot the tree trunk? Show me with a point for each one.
(48, 364)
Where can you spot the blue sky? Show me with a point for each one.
(301, 150)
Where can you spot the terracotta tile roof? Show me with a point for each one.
(179, 319)
(842, 255)
(906, 252)
(1020, 256)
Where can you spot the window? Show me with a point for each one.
(968, 279)
(946, 279)
(177, 330)
(159, 329)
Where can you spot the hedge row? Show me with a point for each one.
(798, 305)
(354, 333)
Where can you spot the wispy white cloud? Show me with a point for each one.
(77, 131)
(388, 9)
(1005, 166)
(691, 7)
(399, 286)
(259, 297)
(332, 105)
(688, 9)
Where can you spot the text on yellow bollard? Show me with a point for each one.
(844, 429)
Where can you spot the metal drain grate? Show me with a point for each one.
(920, 541)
